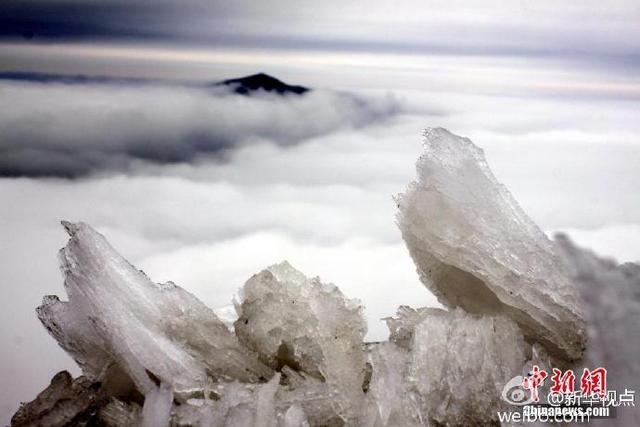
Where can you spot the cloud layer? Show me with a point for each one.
(69, 130)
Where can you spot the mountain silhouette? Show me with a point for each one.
(261, 81)
(242, 86)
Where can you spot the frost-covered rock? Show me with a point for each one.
(61, 403)
(476, 249)
(291, 320)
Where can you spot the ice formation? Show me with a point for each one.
(475, 248)
(154, 355)
(116, 316)
(308, 326)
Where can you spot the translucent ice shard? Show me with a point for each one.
(235, 405)
(460, 363)
(75, 335)
(310, 327)
(391, 400)
(154, 333)
(402, 326)
(448, 368)
(475, 248)
(156, 411)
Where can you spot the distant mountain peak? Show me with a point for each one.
(261, 81)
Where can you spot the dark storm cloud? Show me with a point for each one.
(118, 20)
(73, 19)
(71, 130)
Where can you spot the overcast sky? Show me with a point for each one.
(584, 27)
(589, 33)
(199, 186)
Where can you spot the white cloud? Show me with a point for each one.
(76, 129)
